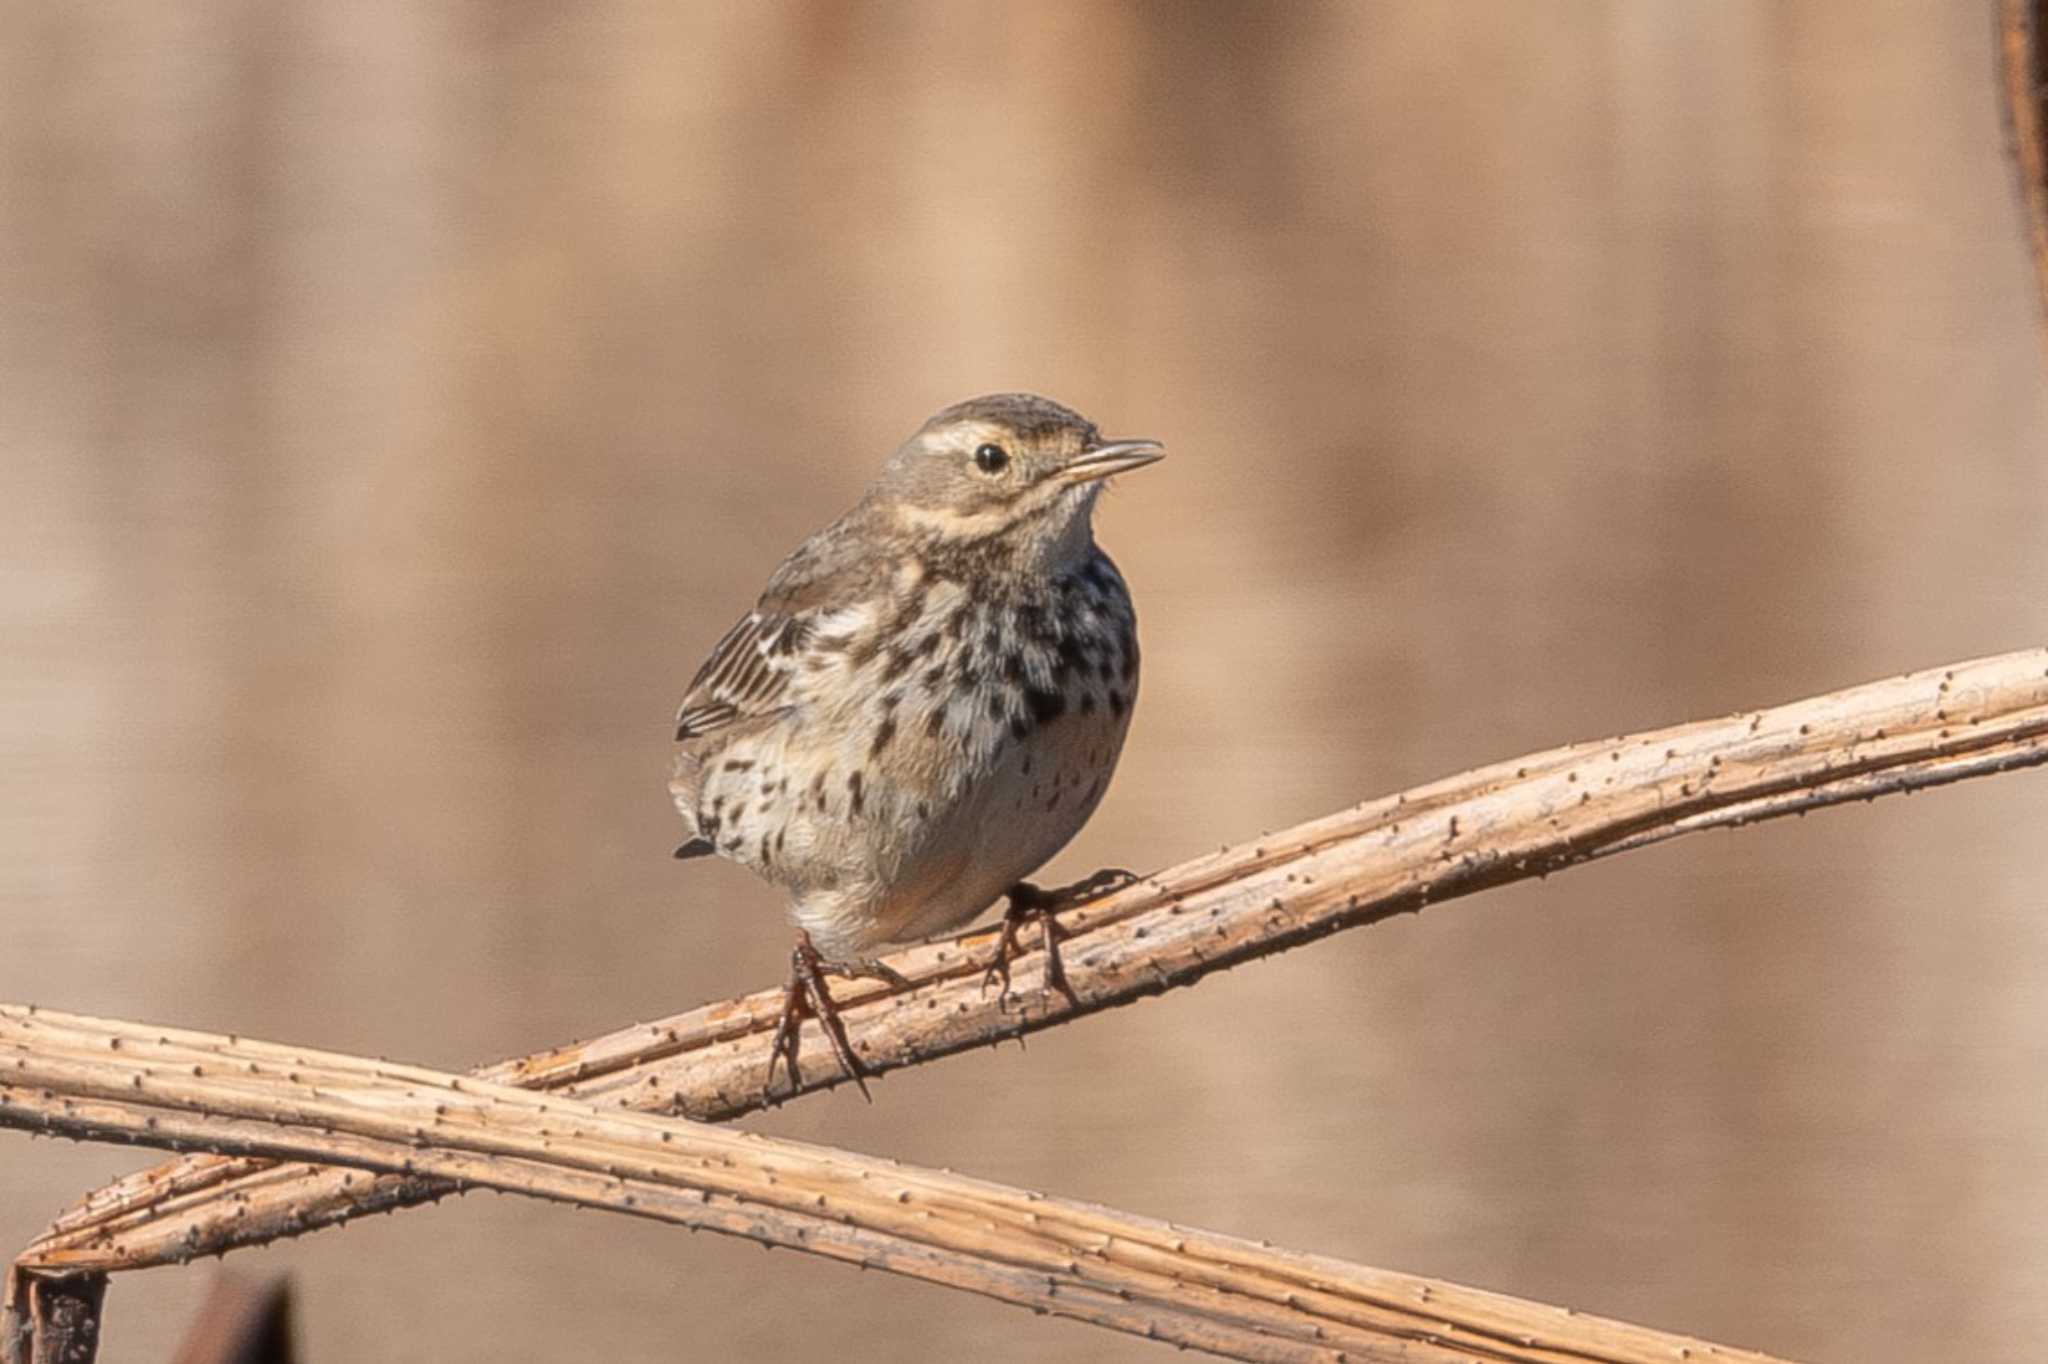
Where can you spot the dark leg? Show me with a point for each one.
(807, 997)
(1029, 902)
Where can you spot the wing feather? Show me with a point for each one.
(747, 674)
(749, 671)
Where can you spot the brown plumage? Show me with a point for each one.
(930, 696)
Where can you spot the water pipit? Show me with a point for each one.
(926, 703)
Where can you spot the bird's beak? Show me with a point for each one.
(1117, 457)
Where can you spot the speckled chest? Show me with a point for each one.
(955, 729)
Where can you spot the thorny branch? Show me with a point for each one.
(1493, 825)
(2023, 78)
(101, 1080)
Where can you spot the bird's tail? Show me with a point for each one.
(684, 787)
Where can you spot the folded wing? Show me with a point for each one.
(747, 674)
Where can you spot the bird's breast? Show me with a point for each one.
(937, 754)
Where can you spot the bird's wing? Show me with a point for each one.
(749, 671)
(747, 674)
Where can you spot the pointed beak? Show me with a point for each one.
(1117, 457)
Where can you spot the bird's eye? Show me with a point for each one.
(991, 459)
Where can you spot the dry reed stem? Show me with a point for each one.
(2023, 81)
(96, 1079)
(47, 1320)
(1496, 824)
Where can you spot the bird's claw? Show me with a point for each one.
(806, 996)
(1028, 902)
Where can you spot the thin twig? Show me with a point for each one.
(2023, 80)
(102, 1080)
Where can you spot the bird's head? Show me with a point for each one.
(1010, 465)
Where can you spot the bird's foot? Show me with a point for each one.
(806, 997)
(1028, 903)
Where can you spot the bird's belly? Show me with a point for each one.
(1002, 825)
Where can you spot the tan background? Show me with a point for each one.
(397, 400)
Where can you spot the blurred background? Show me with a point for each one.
(397, 401)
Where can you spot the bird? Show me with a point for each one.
(925, 704)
